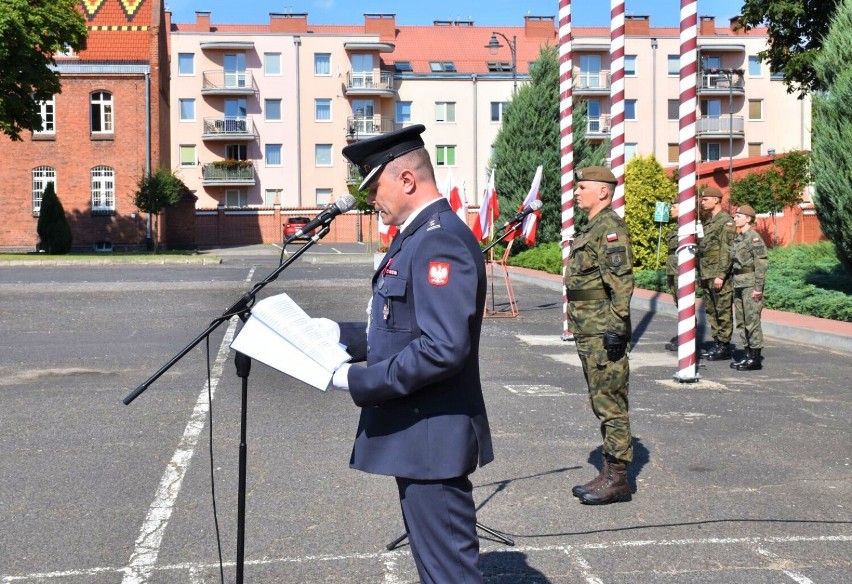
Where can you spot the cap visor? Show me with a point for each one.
(370, 176)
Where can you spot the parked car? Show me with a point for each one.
(294, 225)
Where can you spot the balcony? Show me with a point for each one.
(587, 83)
(720, 126)
(223, 82)
(353, 175)
(370, 84)
(228, 128)
(228, 173)
(598, 128)
(359, 128)
(714, 83)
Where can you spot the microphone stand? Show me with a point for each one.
(241, 308)
(514, 227)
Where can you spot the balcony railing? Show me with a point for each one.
(719, 82)
(586, 81)
(215, 174)
(223, 82)
(358, 128)
(369, 83)
(353, 175)
(720, 125)
(228, 128)
(598, 126)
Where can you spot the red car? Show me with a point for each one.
(294, 225)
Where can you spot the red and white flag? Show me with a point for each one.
(488, 210)
(456, 195)
(531, 221)
(386, 232)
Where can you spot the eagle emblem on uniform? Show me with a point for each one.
(439, 273)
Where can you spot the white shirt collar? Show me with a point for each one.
(414, 214)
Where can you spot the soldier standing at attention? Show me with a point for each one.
(671, 267)
(714, 263)
(599, 283)
(750, 263)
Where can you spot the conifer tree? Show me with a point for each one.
(53, 230)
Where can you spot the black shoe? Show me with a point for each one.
(671, 346)
(753, 363)
(711, 350)
(722, 354)
(743, 358)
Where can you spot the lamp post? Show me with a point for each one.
(728, 74)
(494, 45)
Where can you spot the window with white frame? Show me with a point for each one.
(272, 110)
(270, 196)
(186, 107)
(41, 176)
(630, 65)
(322, 110)
(631, 149)
(497, 109)
(403, 112)
(272, 64)
(629, 109)
(322, 155)
(445, 111)
(322, 64)
(445, 156)
(47, 111)
(711, 151)
(186, 63)
(188, 156)
(236, 198)
(273, 155)
(323, 197)
(236, 152)
(103, 188)
(101, 112)
(754, 68)
(674, 64)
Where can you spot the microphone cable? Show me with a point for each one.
(212, 466)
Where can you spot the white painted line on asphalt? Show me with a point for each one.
(796, 577)
(391, 576)
(250, 274)
(582, 565)
(144, 556)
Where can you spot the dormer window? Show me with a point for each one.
(442, 67)
(403, 66)
(499, 67)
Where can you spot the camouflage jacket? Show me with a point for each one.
(600, 268)
(714, 249)
(671, 260)
(750, 261)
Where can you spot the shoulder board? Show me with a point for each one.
(433, 223)
(756, 239)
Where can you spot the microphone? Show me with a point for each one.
(531, 208)
(341, 205)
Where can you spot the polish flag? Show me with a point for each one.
(488, 210)
(455, 194)
(530, 224)
(386, 232)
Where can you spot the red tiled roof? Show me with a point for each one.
(113, 34)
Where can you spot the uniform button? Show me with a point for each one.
(416, 410)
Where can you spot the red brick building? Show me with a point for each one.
(109, 124)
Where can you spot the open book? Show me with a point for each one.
(280, 334)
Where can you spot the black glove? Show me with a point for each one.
(615, 345)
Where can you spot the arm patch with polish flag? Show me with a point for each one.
(439, 273)
(612, 236)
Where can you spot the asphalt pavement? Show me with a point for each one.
(740, 477)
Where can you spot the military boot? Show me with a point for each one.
(752, 363)
(744, 357)
(707, 352)
(722, 354)
(613, 489)
(672, 345)
(580, 490)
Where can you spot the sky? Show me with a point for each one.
(483, 12)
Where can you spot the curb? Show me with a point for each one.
(115, 262)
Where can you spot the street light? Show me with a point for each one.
(728, 74)
(494, 45)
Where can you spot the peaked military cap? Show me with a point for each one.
(371, 155)
(711, 192)
(746, 210)
(597, 174)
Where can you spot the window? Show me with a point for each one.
(322, 110)
(236, 198)
(629, 109)
(711, 151)
(236, 152)
(674, 109)
(630, 65)
(322, 64)
(497, 109)
(322, 155)
(711, 108)
(187, 155)
(272, 110)
(187, 110)
(272, 64)
(273, 155)
(323, 197)
(442, 66)
(711, 62)
(590, 72)
(403, 67)
(674, 65)
(234, 65)
(445, 156)
(270, 196)
(41, 176)
(673, 152)
(755, 109)
(101, 107)
(754, 69)
(630, 150)
(186, 64)
(499, 67)
(403, 112)
(103, 188)
(755, 149)
(47, 111)
(445, 111)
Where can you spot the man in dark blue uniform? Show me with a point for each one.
(423, 417)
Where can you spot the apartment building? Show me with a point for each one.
(109, 124)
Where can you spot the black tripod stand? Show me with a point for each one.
(242, 309)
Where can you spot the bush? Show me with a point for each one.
(53, 230)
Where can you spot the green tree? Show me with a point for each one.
(530, 137)
(156, 191)
(53, 230)
(645, 183)
(366, 209)
(831, 158)
(32, 32)
(796, 34)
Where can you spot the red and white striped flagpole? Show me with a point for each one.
(616, 93)
(566, 145)
(686, 360)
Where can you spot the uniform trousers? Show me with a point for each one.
(718, 304)
(748, 317)
(440, 519)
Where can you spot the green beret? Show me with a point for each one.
(597, 174)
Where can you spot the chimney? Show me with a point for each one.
(737, 27)
(288, 22)
(707, 26)
(202, 21)
(637, 25)
(539, 27)
(383, 25)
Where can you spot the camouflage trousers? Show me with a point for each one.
(608, 385)
(671, 284)
(718, 304)
(748, 318)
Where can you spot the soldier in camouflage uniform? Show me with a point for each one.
(671, 266)
(599, 284)
(714, 262)
(750, 262)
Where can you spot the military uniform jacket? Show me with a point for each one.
(714, 249)
(671, 259)
(601, 260)
(422, 411)
(750, 261)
